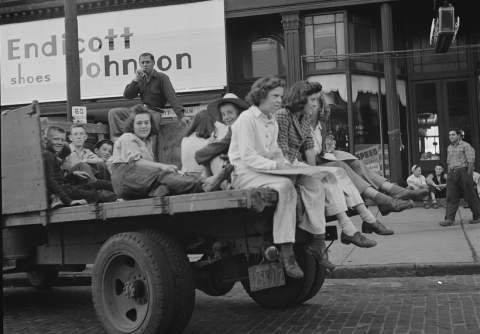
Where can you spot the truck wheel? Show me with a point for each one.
(320, 274)
(183, 280)
(42, 278)
(294, 291)
(132, 285)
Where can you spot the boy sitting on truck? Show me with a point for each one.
(82, 159)
(61, 191)
(104, 149)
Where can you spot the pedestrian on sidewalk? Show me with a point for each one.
(460, 164)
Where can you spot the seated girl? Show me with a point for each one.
(214, 155)
(295, 140)
(437, 182)
(134, 172)
(416, 181)
(387, 196)
(203, 130)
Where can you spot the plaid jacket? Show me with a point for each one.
(294, 136)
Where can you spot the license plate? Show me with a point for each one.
(266, 275)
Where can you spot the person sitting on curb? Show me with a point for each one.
(295, 140)
(437, 182)
(135, 174)
(61, 190)
(416, 181)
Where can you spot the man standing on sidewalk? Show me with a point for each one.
(460, 163)
(153, 88)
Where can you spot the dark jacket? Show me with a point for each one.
(206, 154)
(54, 175)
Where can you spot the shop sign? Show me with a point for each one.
(187, 40)
(371, 156)
(79, 114)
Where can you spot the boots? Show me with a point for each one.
(317, 248)
(403, 193)
(287, 258)
(386, 204)
(376, 227)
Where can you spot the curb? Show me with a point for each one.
(341, 272)
(406, 269)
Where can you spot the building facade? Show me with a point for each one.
(392, 97)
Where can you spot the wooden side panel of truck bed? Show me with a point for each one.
(23, 177)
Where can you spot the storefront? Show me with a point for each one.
(392, 98)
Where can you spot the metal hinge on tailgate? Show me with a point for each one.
(163, 203)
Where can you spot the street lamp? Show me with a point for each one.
(444, 28)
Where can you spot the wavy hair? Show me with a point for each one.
(298, 94)
(203, 125)
(262, 87)
(139, 109)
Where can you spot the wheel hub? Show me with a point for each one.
(135, 289)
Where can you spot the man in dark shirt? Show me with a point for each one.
(153, 88)
(460, 163)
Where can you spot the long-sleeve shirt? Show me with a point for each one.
(460, 154)
(129, 148)
(155, 92)
(54, 176)
(254, 141)
(82, 155)
(204, 155)
(295, 136)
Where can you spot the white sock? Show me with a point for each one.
(346, 224)
(366, 215)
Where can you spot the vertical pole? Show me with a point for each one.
(71, 56)
(393, 119)
(291, 25)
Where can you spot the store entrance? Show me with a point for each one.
(438, 106)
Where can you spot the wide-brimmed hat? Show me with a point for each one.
(227, 98)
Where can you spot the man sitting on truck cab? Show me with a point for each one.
(58, 185)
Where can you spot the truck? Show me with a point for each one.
(148, 255)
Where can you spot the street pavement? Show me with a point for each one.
(442, 304)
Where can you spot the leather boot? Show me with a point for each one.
(317, 248)
(403, 193)
(358, 239)
(386, 204)
(287, 258)
(376, 227)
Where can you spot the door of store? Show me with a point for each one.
(438, 106)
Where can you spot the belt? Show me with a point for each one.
(153, 108)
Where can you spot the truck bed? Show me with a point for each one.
(255, 199)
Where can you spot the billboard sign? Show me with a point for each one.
(187, 40)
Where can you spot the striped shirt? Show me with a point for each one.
(460, 154)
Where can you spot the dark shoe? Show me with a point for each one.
(435, 205)
(317, 248)
(402, 193)
(358, 239)
(376, 227)
(287, 258)
(474, 221)
(427, 205)
(218, 179)
(446, 222)
(391, 205)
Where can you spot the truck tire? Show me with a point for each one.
(42, 278)
(183, 280)
(132, 285)
(294, 291)
(320, 275)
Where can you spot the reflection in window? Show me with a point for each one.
(338, 120)
(324, 36)
(427, 118)
(267, 58)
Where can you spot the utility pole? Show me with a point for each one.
(71, 56)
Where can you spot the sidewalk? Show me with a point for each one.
(419, 247)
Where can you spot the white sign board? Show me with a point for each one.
(79, 114)
(188, 42)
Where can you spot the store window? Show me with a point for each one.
(364, 38)
(324, 39)
(266, 57)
